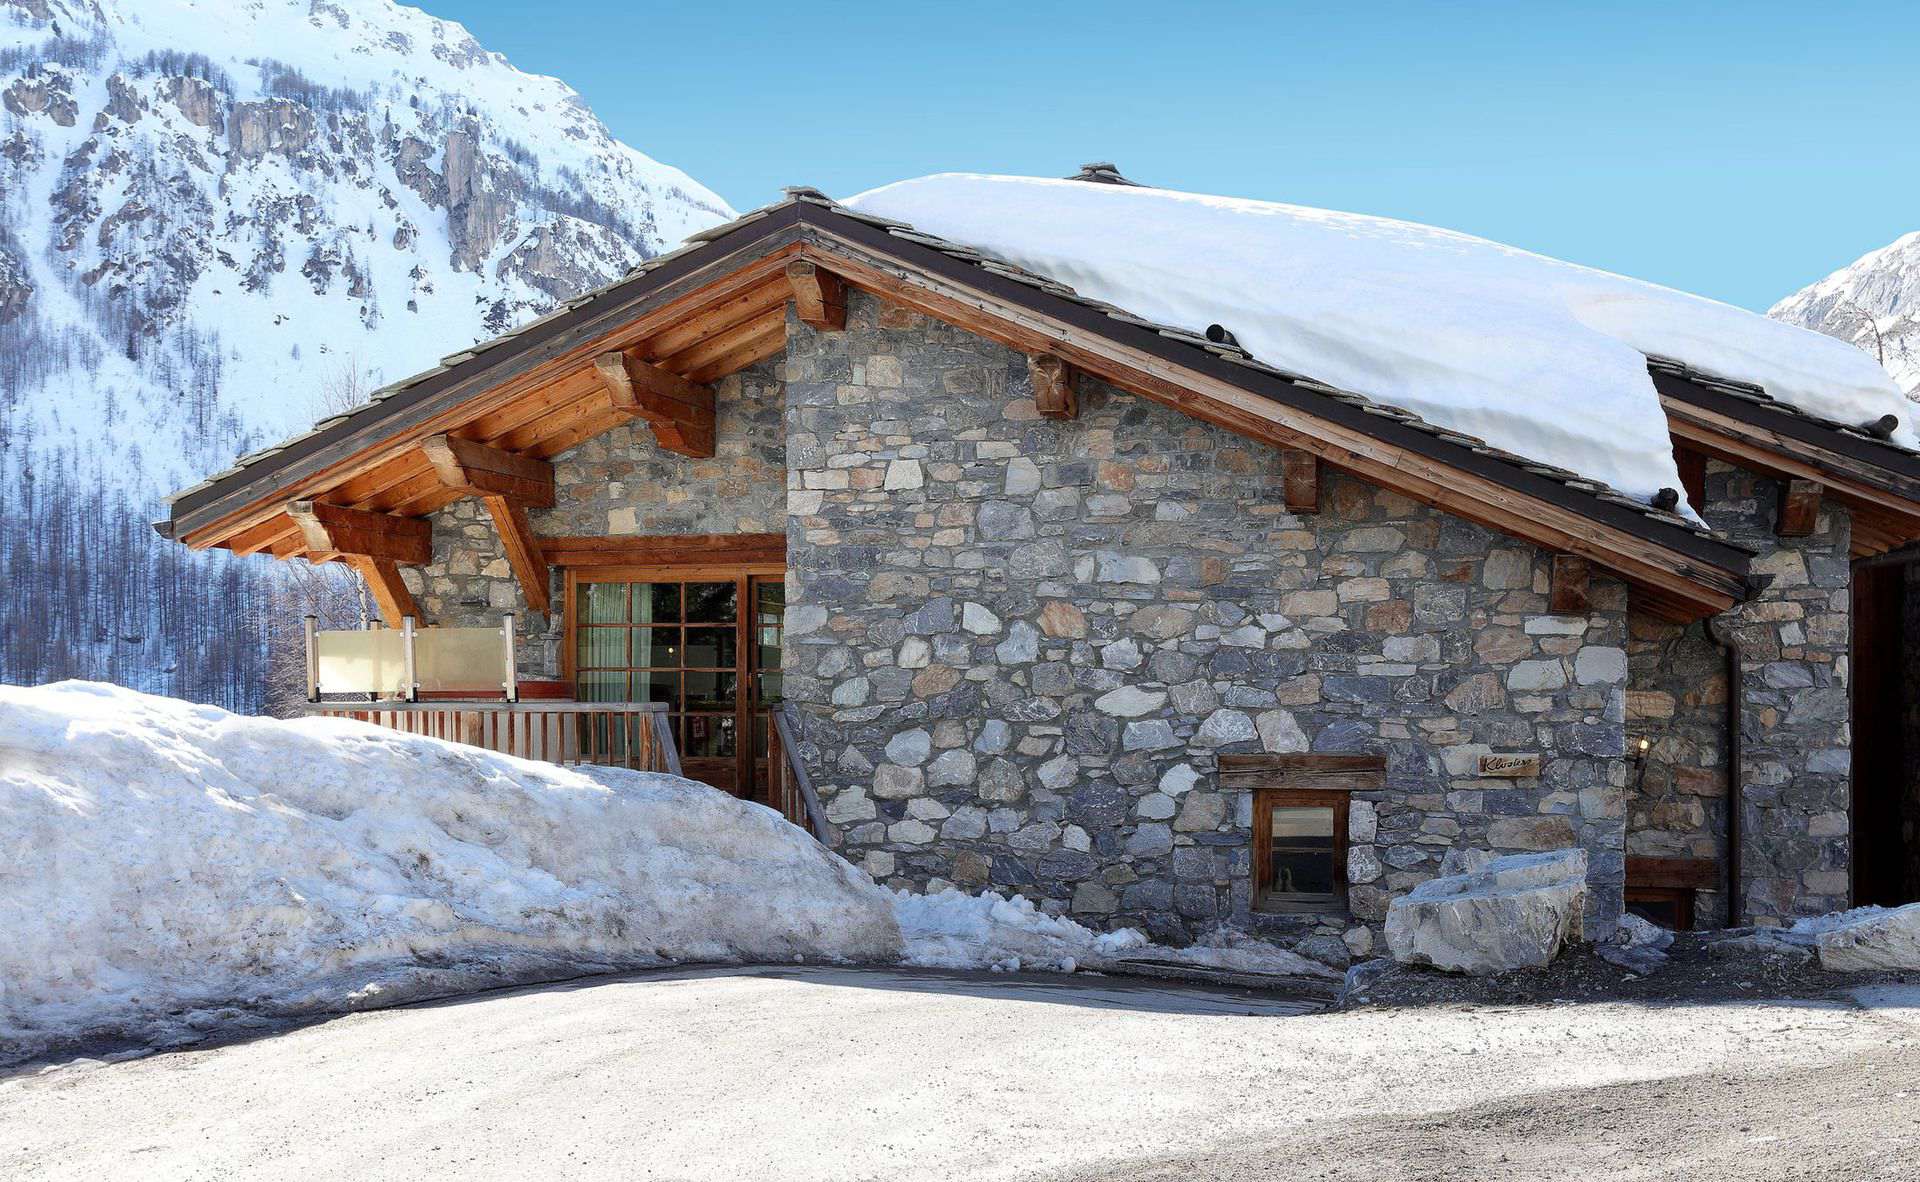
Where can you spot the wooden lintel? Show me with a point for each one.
(1697, 873)
(1053, 386)
(1569, 591)
(679, 412)
(819, 297)
(1349, 773)
(388, 589)
(523, 551)
(681, 550)
(340, 530)
(1799, 508)
(1300, 480)
(475, 469)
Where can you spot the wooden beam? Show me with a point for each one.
(1300, 480)
(341, 530)
(1350, 773)
(819, 297)
(1799, 508)
(478, 470)
(680, 413)
(1693, 475)
(1697, 873)
(1053, 384)
(688, 549)
(1570, 579)
(389, 590)
(523, 551)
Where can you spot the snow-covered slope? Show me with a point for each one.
(1874, 303)
(1543, 358)
(220, 219)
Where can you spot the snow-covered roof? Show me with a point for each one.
(1539, 357)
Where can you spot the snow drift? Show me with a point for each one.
(1540, 357)
(168, 869)
(159, 858)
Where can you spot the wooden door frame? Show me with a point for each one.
(696, 569)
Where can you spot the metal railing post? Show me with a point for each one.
(511, 683)
(313, 658)
(408, 682)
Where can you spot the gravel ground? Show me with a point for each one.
(864, 1074)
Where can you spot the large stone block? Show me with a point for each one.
(1867, 939)
(1513, 913)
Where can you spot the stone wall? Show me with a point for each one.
(619, 484)
(1023, 644)
(1795, 717)
(1677, 792)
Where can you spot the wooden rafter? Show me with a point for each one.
(1300, 480)
(389, 591)
(680, 413)
(1568, 595)
(509, 484)
(355, 532)
(1799, 509)
(478, 470)
(1053, 386)
(523, 551)
(819, 297)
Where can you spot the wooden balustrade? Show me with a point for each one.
(789, 788)
(635, 735)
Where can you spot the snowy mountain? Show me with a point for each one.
(222, 219)
(1875, 303)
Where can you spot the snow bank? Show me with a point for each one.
(953, 930)
(159, 860)
(1540, 357)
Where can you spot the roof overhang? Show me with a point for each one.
(720, 304)
(1877, 480)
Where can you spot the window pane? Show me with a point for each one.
(656, 603)
(771, 594)
(657, 687)
(770, 689)
(707, 736)
(602, 648)
(603, 603)
(603, 687)
(711, 603)
(710, 691)
(1302, 850)
(656, 648)
(710, 648)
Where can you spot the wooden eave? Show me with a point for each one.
(1879, 483)
(721, 306)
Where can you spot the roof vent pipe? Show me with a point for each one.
(1667, 499)
(1882, 427)
(1102, 172)
(1218, 334)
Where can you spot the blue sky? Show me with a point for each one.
(1736, 150)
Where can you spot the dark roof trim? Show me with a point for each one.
(810, 216)
(1898, 467)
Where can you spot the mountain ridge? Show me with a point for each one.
(222, 221)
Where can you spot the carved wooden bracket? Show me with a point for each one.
(1053, 390)
(819, 297)
(680, 413)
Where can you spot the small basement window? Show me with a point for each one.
(1300, 849)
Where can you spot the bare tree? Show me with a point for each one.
(344, 388)
(1873, 325)
(332, 593)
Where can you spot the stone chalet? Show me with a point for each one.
(1062, 602)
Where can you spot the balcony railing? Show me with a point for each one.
(635, 735)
